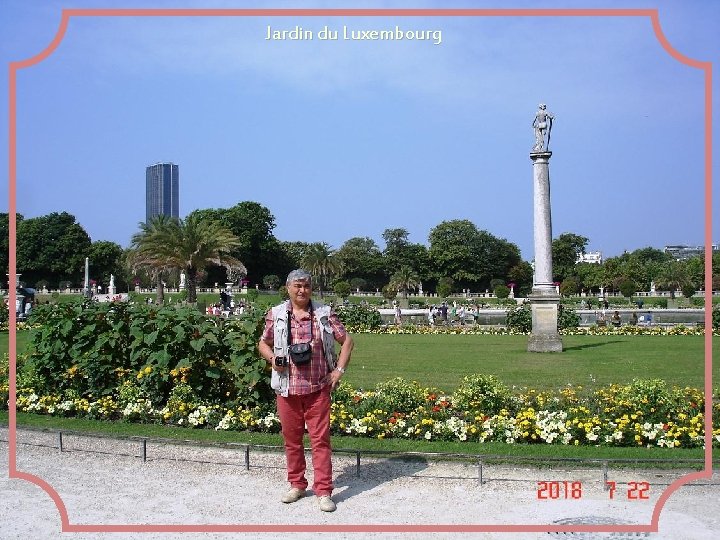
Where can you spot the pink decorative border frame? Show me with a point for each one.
(706, 67)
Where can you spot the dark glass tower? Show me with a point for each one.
(161, 190)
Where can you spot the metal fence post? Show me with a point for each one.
(605, 475)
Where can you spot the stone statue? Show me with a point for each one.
(112, 281)
(542, 125)
(182, 280)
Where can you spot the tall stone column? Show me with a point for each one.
(544, 300)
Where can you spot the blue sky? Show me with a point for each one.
(342, 139)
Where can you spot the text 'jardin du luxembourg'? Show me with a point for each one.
(298, 33)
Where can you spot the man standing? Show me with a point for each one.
(299, 343)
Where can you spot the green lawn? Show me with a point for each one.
(442, 360)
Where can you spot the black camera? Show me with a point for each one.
(281, 361)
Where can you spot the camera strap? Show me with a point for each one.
(312, 324)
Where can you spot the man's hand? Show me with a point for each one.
(334, 378)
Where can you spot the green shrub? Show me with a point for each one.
(342, 289)
(716, 316)
(94, 349)
(482, 394)
(253, 294)
(399, 395)
(567, 318)
(519, 318)
(502, 291)
(356, 315)
(688, 290)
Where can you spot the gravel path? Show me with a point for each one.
(104, 481)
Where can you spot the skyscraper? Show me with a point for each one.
(161, 190)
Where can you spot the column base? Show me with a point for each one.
(544, 336)
(544, 343)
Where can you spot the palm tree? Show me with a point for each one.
(319, 260)
(404, 279)
(189, 245)
(138, 260)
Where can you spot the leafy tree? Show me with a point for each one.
(320, 261)
(106, 259)
(651, 255)
(252, 224)
(696, 270)
(673, 275)
(271, 281)
(51, 247)
(445, 287)
(590, 275)
(470, 256)
(290, 257)
(399, 252)
(361, 258)
(566, 249)
(405, 279)
(688, 290)
(628, 287)
(522, 275)
(569, 287)
(358, 283)
(189, 245)
(396, 240)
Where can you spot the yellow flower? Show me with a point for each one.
(148, 370)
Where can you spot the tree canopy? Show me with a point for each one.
(51, 247)
(471, 257)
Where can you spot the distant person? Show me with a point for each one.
(398, 314)
(431, 316)
(444, 312)
(634, 319)
(615, 319)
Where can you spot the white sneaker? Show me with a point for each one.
(326, 503)
(293, 495)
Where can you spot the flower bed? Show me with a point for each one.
(643, 413)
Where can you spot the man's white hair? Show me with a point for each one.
(298, 275)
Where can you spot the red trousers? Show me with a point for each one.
(295, 413)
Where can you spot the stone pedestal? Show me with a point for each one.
(544, 336)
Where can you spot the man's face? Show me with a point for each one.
(300, 292)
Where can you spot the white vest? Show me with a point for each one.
(280, 381)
